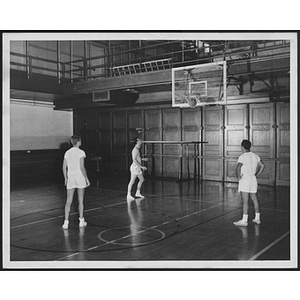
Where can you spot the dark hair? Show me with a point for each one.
(75, 139)
(135, 140)
(246, 144)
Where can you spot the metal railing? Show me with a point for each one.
(138, 60)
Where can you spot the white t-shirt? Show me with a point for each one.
(249, 161)
(72, 157)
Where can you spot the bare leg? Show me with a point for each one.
(244, 221)
(70, 194)
(141, 181)
(80, 202)
(255, 202)
(256, 208)
(245, 197)
(130, 184)
(139, 186)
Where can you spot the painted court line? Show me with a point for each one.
(269, 246)
(144, 230)
(58, 217)
(88, 210)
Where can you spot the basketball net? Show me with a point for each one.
(192, 100)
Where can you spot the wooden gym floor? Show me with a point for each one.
(177, 225)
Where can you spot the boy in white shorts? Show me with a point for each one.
(75, 178)
(249, 166)
(136, 170)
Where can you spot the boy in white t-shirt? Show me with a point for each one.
(75, 178)
(249, 166)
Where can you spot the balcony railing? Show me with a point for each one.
(138, 60)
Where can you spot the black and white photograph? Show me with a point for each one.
(150, 150)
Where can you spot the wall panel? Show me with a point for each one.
(192, 131)
(283, 143)
(262, 129)
(236, 123)
(171, 124)
(266, 125)
(283, 130)
(213, 133)
(105, 141)
(153, 132)
(212, 168)
(119, 142)
(91, 137)
(283, 172)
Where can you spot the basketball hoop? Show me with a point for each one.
(199, 85)
(192, 100)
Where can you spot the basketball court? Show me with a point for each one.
(186, 224)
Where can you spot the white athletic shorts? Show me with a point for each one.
(135, 170)
(76, 181)
(248, 184)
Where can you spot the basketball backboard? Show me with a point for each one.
(199, 85)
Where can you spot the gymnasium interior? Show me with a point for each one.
(192, 98)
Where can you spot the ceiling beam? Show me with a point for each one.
(120, 82)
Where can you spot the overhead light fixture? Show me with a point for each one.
(131, 91)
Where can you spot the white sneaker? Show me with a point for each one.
(256, 221)
(240, 223)
(129, 198)
(82, 222)
(139, 195)
(65, 225)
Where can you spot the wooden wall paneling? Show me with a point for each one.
(235, 131)
(153, 132)
(262, 129)
(262, 137)
(283, 143)
(105, 140)
(91, 142)
(268, 175)
(230, 167)
(191, 131)
(213, 128)
(135, 125)
(119, 142)
(78, 123)
(283, 130)
(283, 173)
(135, 129)
(171, 121)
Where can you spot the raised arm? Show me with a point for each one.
(238, 170)
(259, 169)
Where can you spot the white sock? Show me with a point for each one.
(66, 224)
(245, 218)
(257, 216)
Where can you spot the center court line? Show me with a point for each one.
(153, 227)
(269, 246)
